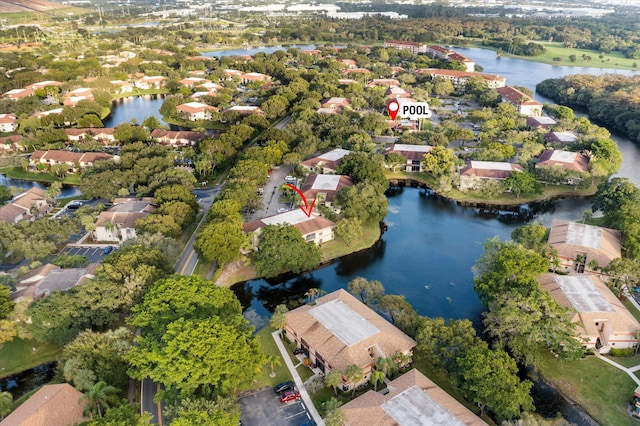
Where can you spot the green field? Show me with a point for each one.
(601, 389)
(20, 173)
(19, 355)
(269, 348)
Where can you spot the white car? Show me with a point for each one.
(282, 210)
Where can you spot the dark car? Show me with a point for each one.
(309, 422)
(284, 386)
(107, 249)
(288, 396)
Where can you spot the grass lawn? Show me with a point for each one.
(336, 248)
(269, 348)
(631, 308)
(20, 173)
(626, 361)
(602, 390)
(18, 355)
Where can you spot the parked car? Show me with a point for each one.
(107, 249)
(282, 210)
(284, 386)
(289, 179)
(288, 396)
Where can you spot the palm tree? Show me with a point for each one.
(333, 416)
(377, 377)
(334, 379)
(313, 294)
(274, 361)
(278, 319)
(354, 374)
(386, 365)
(100, 397)
(6, 404)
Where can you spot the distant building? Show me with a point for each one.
(104, 135)
(541, 122)
(43, 84)
(194, 111)
(123, 86)
(72, 97)
(459, 78)
(468, 63)
(411, 46)
(118, 223)
(412, 399)
(475, 172)
(439, 52)
(314, 228)
(560, 138)
(601, 320)
(192, 81)
(250, 77)
(51, 405)
(334, 105)
(584, 248)
(566, 159)
(177, 138)
(48, 278)
(386, 82)
(245, 109)
(28, 205)
(150, 82)
(412, 153)
(326, 163)
(8, 123)
(41, 114)
(16, 94)
(11, 144)
(524, 103)
(73, 160)
(349, 63)
(339, 331)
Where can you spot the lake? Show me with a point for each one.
(66, 191)
(137, 108)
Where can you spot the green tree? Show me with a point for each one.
(275, 106)
(333, 415)
(521, 182)
(124, 414)
(220, 241)
(99, 398)
(194, 411)
(440, 161)
(354, 373)
(181, 212)
(5, 194)
(64, 260)
(394, 160)
(612, 194)
(376, 378)
(282, 249)
(363, 201)
(159, 223)
(6, 305)
(369, 292)
(400, 312)
(278, 319)
(489, 378)
(193, 338)
(443, 342)
(274, 361)
(363, 167)
(624, 275)
(334, 379)
(6, 404)
(531, 236)
(349, 230)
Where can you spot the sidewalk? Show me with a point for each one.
(629, 370)
(296, 378)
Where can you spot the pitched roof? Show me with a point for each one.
(52, 405)
(64, 279)
(342, 329)
(410, 152)
(177, 135)
(516, 97)
(413, 399)
(330, 159)
(62, 156)
(562, 137)
(325, 184)
(460, 74)
(296, 217)
(489, 169)
(194, 107)
(567, 159)
(600, 244)
(541, 121)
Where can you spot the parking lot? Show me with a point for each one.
(94, 254)
(264, 408)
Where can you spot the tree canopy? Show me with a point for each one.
(282, 249)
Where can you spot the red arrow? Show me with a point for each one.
(306, 205)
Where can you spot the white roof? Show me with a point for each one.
(414, 407)
(15, 91)
(195, 105)
(563, 156)
(292, 217)
(326, 182)
(411, 148)
(335, 154)
(345, 323)
(584, 235)
(491, 165)
(565, 136)
(243, 108)
(545, 120)
(583, 294)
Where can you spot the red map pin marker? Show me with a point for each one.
(393, 107)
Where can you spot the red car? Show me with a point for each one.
(290, 395)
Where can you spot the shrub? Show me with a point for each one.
(622, 352)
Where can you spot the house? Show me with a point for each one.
(48, 278)
(118, 223)
(347, 81)
(233, 73)
(326, 163)
(583, 248)
(51, 405)
(412, 153)
(413, 399)
(16, 94)
(27, 205)
(45, 113)
(314, 228)
(74, 160)
(335, 104)
(468, 63)
(10, 144)
(602, 321)
(123, 86)
(339, 331)
(349, 63)
(439, 52)
(104, 135)
(324, 188)
(72, 97)
(397, 93)
(192, 81)
(150, 82)
(177, 138)
(541, 122)
(43, 84)
(8, 123)
(195, 111)
(566, 159)
(524, 103)
(356, 71)
(397, 70)
(474, 173)
(387, 82)
(250, 77)
(245, 109)
(560, 138)
(459, 78)
(411, 46)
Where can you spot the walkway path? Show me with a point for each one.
(296, 378)
(629, 370)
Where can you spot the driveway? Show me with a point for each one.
(264, 408)
(271, 194)
(94, 254)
